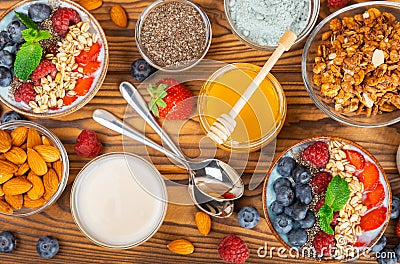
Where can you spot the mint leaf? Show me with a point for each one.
(27, 59)
(325, 218)
(26, 20)
(337, 194)
(43, 34)
(29, 34)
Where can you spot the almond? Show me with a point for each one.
(203, 222)
(91, 4)
(48, 153)
(181, 246)
(19, 136)
(33, 203)
(36, 162)
(50, 182)
(24, 146)
(7, 166)
(2, 156)
(58, 168)
(17, 185)
(5, 141)
(118, 16)
(46, 141)
(37, 190)
(24, 168)
(5, 207)
(4, 176)
(33, 138)
(1, 191)
(15, 201)
(16, 155)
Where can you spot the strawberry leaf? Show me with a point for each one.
(27, 59)
(26, 21)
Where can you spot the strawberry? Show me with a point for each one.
(170, 100)
(91, 67)
(68, 99)
(83, 85)
(373, 219)
(355, 158)
(360, 244)
(398, 229)
(369, 176)
(375, 197)
(337, 3)
(87, 56)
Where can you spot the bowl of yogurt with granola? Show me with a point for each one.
(53, 57)
(328, 198)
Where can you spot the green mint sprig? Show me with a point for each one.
(337, 195)
(30, 53)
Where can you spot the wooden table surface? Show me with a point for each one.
(303, 120)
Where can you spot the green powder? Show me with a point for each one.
(264, 21)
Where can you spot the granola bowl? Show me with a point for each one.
(352, 81)
(328, 198)
(73, 64)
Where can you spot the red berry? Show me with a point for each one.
(375, 197)
(334, 219)
(319, 204)
(25, 93)
(337, 3)
(233, 249)
(324, 243)
(63, 18)
(373, 219)
(369, 176)
(83, 85)
(317, 154)
(87, 56)
(87, 144)
(355, 158)
(320, 181)
(398, 229)
(44, 68)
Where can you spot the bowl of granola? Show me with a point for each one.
(350, 64)
(54, 57)
(328, 198)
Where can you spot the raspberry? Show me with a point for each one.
(317, 154)
(63, 18)
(233, 249)
(87, 144)
(319, 204)
(321, 181)
(324, 243)
(25, 93)
(337, 3)
(44, 68)
(335, 217)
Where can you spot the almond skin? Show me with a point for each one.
(181, 246)
(203, 222)
(91, 4)
(33, 138)
(48, 153)
(33, 203)
(19, 136)
(46, 141)
(16, 155)
(17, 185)
(58, 168)
(15, 201)
(50, 182)
(8, 166)
(1, 191)
(37, 190)
(4, 176)
(36, 162)
(118, 16)
(5, 141)
(5, 207)
(24, 168)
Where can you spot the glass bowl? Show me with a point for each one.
(64, 159)
(313, 13)
(186, 64)
(259, 121)
(309, 53)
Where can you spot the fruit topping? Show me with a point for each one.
(44, 68)
(7, 242)
(83, 85)
(299, 211)
(248, 217)
(337, 3)
(4, 39)
(283, 224)
(369, 176)
(319, 204)
(39, 12)
(47, 247)
(141, 69)
(285, 166)
(233, 249)
(10, 116)
(281, 182)
(386, 256)
(5, 77)
(395, 207)
(324, 243)
(317, 154)
(91, 67)
(297, 237)
(276, 207)
(398, 229)
(25, 93)
(87, 56)
(373, 219)
(301, 174)
(6, 59)
(355, 158)
(14, 30)
(63, 18)
(87, 144)
(303, 193)
(320, 181)
(375, 197)
(69, 99)
(380, 245)
(285, 195)
(308, 221)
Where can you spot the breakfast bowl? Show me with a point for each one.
(260, 26)
(328, 197)
(355, 82)
(57, 65)
(34, 168)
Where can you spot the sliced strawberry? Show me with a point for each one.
(87, 56)
(83, 86)
(68, 99)
(375, 197)
(398, 229)
(369, 176)
(373, 219)
(228, 195)
(355, 158)
(360, 244)
(91, 67)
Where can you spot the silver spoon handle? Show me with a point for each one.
(136, 101)
(110, 121)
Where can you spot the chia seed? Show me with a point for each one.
(173, 34)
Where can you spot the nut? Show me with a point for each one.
(48, 153)
(181, 246)
(16, 155)
(37, 190)
(15, 201)
(33, 203)
(5, 207)
(91, 4)
(118, 16)
(50, 182)
(33, 138)
(36, 162)
(46, 141)
(19, 136)
(58, 168)
(203, 222)
(5, 141)
(24, 168)
(17, 185)
(7, 166)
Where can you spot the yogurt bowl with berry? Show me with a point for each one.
(53, 57)
(328, 198)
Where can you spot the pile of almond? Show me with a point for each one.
(30, 169)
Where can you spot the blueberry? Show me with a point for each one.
(39, 12)
(248, 217)
(6, 59)
(281, 182)
(386, 256)
(14, 48)
(289, 210)
(15, 31)
(285, 166)
(380, 245)
(283, 224)
(297, 237)
(395, 207)
(276, 207)
(299, 211)
(303, 193)
(301, 174)
(4, 39)
(7, 242)
(397, 251)
(47, 247)
(5, 77)
(10, 116)
(308, 221)
(141, 69)
(285, 195)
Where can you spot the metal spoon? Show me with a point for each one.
(211, 176)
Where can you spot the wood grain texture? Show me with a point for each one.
(303, 120)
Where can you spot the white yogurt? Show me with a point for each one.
(119, 200)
